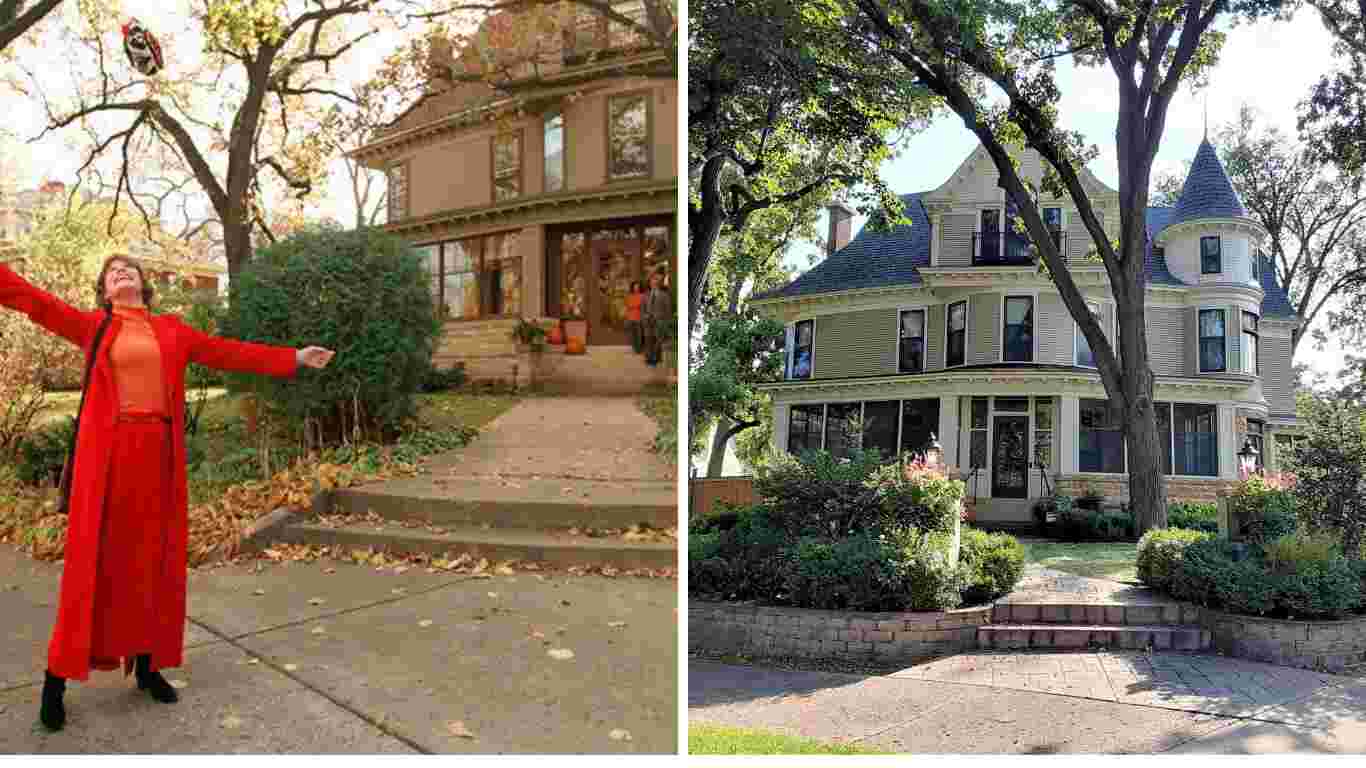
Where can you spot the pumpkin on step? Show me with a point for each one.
(574, 346)
(555, 336)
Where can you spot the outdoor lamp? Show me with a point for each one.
(934, 452)
(1248, 456)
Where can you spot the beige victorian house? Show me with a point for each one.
(544, 198)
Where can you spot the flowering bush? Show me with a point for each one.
(1263, 507)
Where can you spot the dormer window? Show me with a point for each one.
(1211, 255)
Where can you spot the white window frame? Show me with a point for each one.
(1034, 337)
(825, 411)
(1199, 359)
(925, 337)
(1242, 347)
(1062, 224)
(792, 349)
(1100, 305)
(967, 331)
(1200, 245)
(1000, 210)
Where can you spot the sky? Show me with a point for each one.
(1269, 65)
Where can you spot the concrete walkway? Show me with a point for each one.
(1045, 703)
(328, 657)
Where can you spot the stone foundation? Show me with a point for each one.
(751, 630)
(1117, 488)
(1321, 645)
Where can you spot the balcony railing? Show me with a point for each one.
(999, 249)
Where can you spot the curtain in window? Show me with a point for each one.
(1100, 442)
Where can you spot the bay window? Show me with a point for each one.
(1018, 337)
(1251, 361)
(1212, 341)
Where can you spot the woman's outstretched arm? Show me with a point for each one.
(46, 310)
(248, 357)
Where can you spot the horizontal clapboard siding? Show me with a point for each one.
(1055, 331)
(1167, 342)
(1278, 383)
(984, 344)
(955, 244)
(856, 344)
(935, 341)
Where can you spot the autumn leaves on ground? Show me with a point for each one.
(227, 494)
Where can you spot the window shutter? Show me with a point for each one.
(1192, 341)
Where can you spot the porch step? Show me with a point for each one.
(601, 370)
(551, 548)
(1160, 637)
(1090, 614)
(515, 502)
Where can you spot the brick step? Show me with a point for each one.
(515, 502)
(549, 547)
(1161, 637)
(1094, 613)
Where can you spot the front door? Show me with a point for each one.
(1010, 458)
(590, 268)
(616, 264)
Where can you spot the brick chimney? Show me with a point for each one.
(841, 226)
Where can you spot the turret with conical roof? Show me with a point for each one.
(1208, 193)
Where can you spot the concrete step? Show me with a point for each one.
(551, 548)
(1161, 637)
(516, 502)
(1094, 613)
(602, 370)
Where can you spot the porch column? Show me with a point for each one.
(780, 424)
(1228, 443)
(531, 244)
(1069, 421)
(948, 429)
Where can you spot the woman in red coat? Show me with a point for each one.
(123, 581)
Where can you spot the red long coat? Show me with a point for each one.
(69, 651)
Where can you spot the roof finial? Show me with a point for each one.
(1206, 117)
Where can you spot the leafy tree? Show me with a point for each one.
(738, 351)
(17, 17)
(994, 65)
(781, 108)
(1334, 114)
(1330, 467)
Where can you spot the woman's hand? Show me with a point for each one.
(315, 357)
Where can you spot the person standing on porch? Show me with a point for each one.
(122, 595)
(635, 298)
(655, 313)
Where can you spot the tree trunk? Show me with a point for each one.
(237, 244)
(720, 438)
(704, 229)
(1147, 487)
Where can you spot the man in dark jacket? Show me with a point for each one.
(654, 314)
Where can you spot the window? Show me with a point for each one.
(957, 333)
(1018, 346)
(1164, 434)
(977, 448)
(1195, 439)
(1256, 433)
(879, 427)
(804, 428)
(507, 166)
(622, 35)
(1052, 220)
(1081, 347)
(477, 277)
(842, 428)
(1012, 405)
(628, 137)
(801, 349)
(1211, 257)
(1043, 431)
(1251, 362)
(554, 152)
(1212, 340)
(397, 176)
(1100, 440)
(989, 242)
(1257, 265)
(911, 348)
(919, 422)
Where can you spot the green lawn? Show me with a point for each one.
(716, 740)
(1100, 560)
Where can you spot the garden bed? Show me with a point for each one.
(746, 629)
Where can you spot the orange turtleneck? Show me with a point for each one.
(137, 364)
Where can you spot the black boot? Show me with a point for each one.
(153, 682)
(53, 713)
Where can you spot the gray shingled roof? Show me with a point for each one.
(870, 260)
(1207, 193)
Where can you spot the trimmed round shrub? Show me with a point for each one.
(1245, 587)
(1320, 589)
(1193, 516)
(993, 564)
(819, 495)
(1267, 512)
(1160, 550)
(932, 582)
(856, 572)
(750, 558)
(365, 294)
(1204, 565)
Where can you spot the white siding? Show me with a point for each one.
(1055, 331)
(934, 341)
(955, 243)
(984, 329)
(1167, 342)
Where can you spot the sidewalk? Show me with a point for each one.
(1044, 703)
(297, 659)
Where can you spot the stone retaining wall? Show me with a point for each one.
(1117, 487)
(1322, 645)
(752, 630)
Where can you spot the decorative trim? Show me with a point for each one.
(1244, 225)
(997, 381)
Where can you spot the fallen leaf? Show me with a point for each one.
(291, 667)
(504, 570)
(329, 570)
(561, 654)
(399, 590)
(425, 623)
(319, 631)
(179, 684)
(401, 570)
(620, 734)
(316, 601)
(253, 661)
(231, 721)
(458, 729)
(259, 592)
(616, 624)
(493, 595)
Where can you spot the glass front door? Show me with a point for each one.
(590, 268)
(1010, 458)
